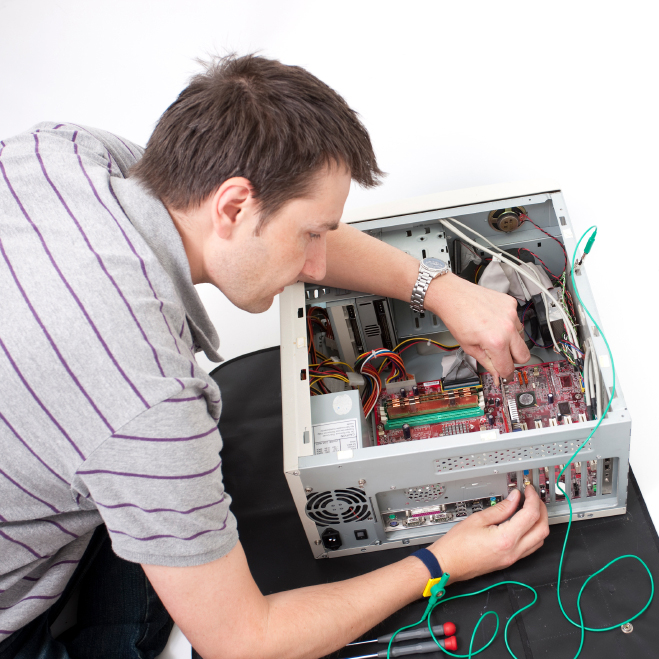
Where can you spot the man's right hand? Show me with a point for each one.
(494, 538)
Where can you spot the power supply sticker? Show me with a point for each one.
(335, 436)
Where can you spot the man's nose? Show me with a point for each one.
(315, 267)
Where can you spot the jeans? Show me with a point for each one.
(119, 614)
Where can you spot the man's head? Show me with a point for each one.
(249, 143)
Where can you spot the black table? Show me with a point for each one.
(280, 559)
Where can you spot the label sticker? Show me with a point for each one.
(604, 361)
(567, 233)
(342, 404)
(335, 436)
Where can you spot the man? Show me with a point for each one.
(106, 422)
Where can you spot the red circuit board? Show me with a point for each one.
(530, 392)
(532, 389)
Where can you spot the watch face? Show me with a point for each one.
(434, 264)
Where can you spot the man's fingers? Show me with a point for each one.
(519, 350)
(484, 359)
(530, 514)
(502, 511)
(534, 538)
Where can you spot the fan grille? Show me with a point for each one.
(338, 507)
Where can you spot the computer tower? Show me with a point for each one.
(388, 485)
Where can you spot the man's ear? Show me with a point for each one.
(233, 204)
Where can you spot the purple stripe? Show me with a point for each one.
(50, 469)
(124, 234)
(182, 385)
(50, 567)
(86, 239)
(18, 542)
(167, 439)
(31, 597)
(161, 510)
(34, 496)
(58, 126)
(61, 528)
(215, 402)
(68, 286)
(165, 535)
(182, 328)
(129, 149)
(205, 386)
(183, 400)
(191, 369)
(50, 339)
(142, 265)
(176, 478)
(38, 400)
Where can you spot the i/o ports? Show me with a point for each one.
(413, 518)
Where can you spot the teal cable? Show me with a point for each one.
(435, 601)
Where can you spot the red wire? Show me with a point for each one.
(526, 217)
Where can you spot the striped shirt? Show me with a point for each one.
(105, 416)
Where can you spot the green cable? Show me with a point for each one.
(435, 599)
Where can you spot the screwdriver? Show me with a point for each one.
(451, 644)
(447, 629)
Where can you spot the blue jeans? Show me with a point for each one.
(119, 614)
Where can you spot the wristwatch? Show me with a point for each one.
(428, 270)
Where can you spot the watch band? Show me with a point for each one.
(420, 289)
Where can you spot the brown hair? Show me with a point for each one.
(275, 125)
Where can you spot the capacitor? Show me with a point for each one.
(407, 431)
(403, 393)
(498, 402)
(550, 398)
(490, 419)
(559, 419)
(415, 390)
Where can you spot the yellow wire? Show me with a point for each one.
(420, 338)
(329, 375)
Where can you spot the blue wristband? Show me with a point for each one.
(430, 561)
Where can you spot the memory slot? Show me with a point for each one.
(432, 403)
(429, 419)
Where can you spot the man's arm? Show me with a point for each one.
(483, 321)
(220, 609)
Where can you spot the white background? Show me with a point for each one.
(454, 95)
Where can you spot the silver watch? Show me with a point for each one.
(428, 270)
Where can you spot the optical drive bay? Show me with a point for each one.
(426, 460)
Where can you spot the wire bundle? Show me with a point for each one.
(564, 303)
(328, 368)
(319, 317)
(374, 387)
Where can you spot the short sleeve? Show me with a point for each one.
(157, 483)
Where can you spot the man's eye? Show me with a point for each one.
(314, 235)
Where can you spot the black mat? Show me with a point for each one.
(280, 558)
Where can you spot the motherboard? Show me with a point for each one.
(538, 396)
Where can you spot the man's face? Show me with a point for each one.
(290, 247)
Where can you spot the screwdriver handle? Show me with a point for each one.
(447, 629)
(416, 648)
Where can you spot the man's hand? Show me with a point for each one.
(482, 321)
(494, 538)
